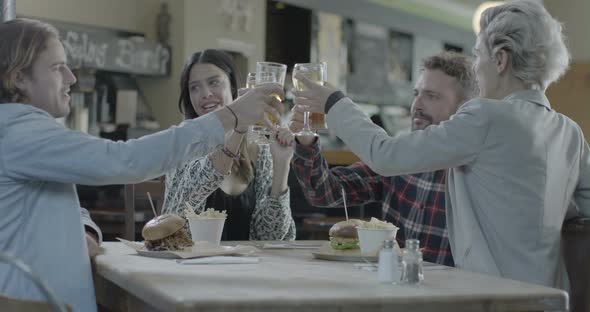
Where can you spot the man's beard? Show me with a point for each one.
(426, 119)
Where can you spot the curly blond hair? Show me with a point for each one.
(457, 66)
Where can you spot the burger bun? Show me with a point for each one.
(346, 229)
(162, 226)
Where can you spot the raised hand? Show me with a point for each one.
(314, 96)
(296, 121)
(251, 106)
(282, 146)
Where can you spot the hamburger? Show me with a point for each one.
(343, 235)
(166, 232)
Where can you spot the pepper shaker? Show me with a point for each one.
(412, 263)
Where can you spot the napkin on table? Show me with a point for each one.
(220, 260)
(290, 246)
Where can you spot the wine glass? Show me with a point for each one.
(316, 72)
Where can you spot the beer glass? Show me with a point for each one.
(267, 72)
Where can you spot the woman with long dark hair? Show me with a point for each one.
(248, 181)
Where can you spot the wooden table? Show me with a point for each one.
(292, 280)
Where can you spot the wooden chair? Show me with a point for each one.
(17, 305)
(318, 228)
(135, 194)
(576, 240)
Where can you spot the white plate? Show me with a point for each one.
(201, 249)
(350, 255)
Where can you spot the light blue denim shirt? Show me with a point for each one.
(516, 167)
(41, 160)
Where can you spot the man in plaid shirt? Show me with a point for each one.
(414, 203)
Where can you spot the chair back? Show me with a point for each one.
(12, 304)
(576, 240)
(135, 194)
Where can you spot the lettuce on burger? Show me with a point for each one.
(343, 235)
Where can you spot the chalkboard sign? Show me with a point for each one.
(369, 48)
(110, 50)
(379, 64)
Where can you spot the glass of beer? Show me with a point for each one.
(257, 133)
(316, 72)
(266, 72)
(269, 72)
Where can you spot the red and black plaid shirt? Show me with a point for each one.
(414, 203)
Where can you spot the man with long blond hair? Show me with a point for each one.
(41, 160)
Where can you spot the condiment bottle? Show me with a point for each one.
(389, 266)
(412, 263)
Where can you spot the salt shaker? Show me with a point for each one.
(412, 263)
(389, 267)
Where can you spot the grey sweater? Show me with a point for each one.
(516, 166)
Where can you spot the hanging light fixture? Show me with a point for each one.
(482, 7)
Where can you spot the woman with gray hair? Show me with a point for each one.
(515, 164)
(525, 38)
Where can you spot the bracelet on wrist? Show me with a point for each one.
(229, 153)
(236, 130)
(235, 116)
